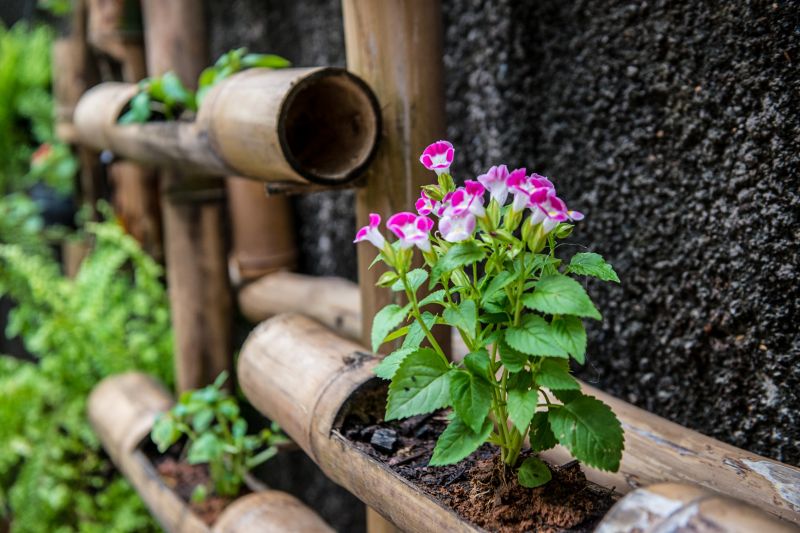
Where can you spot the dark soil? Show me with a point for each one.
(479, 489)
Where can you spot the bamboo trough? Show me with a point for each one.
(308, 126)
(656, 450)
(122, 410)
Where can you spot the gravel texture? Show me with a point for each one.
(674, 125)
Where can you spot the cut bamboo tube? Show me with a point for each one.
(311, 125)
(194, 241)
(262, 229)
(122, 410)
(298, 373)
(301, 375)
(332, 301)
(656, 450)
(680, 507)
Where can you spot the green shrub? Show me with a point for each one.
(112, 317)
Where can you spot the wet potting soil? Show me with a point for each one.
(182, 478)
(478, 488)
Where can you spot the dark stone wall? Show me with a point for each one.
(674, 125)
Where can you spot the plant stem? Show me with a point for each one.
(412, 298)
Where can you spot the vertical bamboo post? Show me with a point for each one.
(396, 47)
(199, 293)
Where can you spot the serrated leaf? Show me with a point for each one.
(500, 281)
(478, 364)
(541, 436)
(458, 441)
(534, 336)
(463, 253)
(464, 317)
(560, 295)
(415, 280)
(513, 360)
(590, 431)
(388, 366)
(388, 278)
(420, 385)
(385, 321)
(592, 264)
(571, 335)
(554, 374)
(533, 473)
(416, 334)
(521, 403)
(436, 297)
(471, 397)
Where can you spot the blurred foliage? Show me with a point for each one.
(111, 318)
(26, 113)
(168, 97)
(57, 8)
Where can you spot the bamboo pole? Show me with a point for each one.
(397, 48)
(301, 375)
(122, 410)
(195, 246)
(314, 125)
(680, 507)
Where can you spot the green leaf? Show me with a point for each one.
(471, 397)
(205, 449)
(497, 284)
(420, 385)
(464, 317)
(415, 280)
(165, 432)
(591, 264)
(139, 111)
(521, 406)
(458, 441)
(415, 334)
(590, 431)
(512, 359)
(436, 297)
(463, 253)
(478, 364)
(533, 473)
(534, 336)
(554, 374)
(388, 366)
(385, 321)
(388, 278)
(202, 420)
(265, 61)
(541, 436)
(560, 295)
(570, 335)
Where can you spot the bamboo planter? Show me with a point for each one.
(305, 126)
(122, 410)
(300, 374)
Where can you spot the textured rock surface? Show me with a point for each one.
(674, 125)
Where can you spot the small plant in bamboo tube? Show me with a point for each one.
(492, 267)
(168, 97)
(216, 435)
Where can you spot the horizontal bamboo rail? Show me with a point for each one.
(311, 125)
(302, 375)
(122, 410)
(656, 450)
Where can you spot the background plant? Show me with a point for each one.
(496, 278)
(217, 435)
(167, 96)
(112, 317)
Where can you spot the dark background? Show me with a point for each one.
(674, 126)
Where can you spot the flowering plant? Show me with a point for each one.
(494, 276)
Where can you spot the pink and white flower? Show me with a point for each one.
(411, 230)
(467, 199)
(527, 191)
(426, 205)
(495, 182)
(438, 157)
(551, 211)
(371, 233)
(457, 228)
